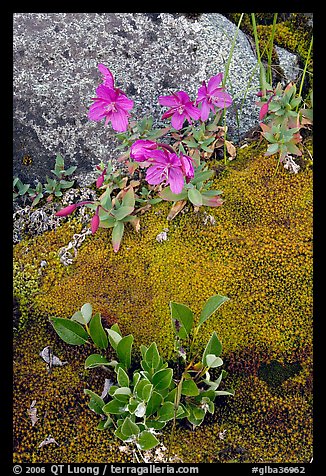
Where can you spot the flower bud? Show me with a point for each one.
(66, 211)
(95, 222)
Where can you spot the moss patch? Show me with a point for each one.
(259, 254)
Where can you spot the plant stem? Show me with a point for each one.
(226, 70)
(305, 70)
(270, 52)
(177, 399)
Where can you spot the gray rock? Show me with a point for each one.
(55, 77)
(289, 63)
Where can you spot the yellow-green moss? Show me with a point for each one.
(259, 254)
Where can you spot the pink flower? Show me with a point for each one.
(181, 108)
(212, 97)
(112, 105)
(141, 150)
(166, 167)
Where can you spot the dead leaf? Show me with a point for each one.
(48, 440)
(107, 385)
(136, 224)
(32, 412)
(231, 149)
(143, 209)
(51, 359)
(176, 208)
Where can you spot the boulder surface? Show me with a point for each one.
(150, 54)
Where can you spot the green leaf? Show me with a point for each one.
(115, 327)
(115, 407)
(124, 350)
(189, 388)
(70, 332)
(182, 319)
(213, 361)
(156, 425)
(104, 424)
(66, 184)
(166, 194)
(192, 410)
(123, 379)
(129, 199)
(214, 347)
(224, 392)
(106, 201)
(211, 305)
(272, 149)
(153, 403)
(97, 332)
(162, 379)
(129, 428)
(122, 212)
(202, 176)
(147, 392)
(143, 350)
(147, 441)
(139, 387)
(152, 356)
(70, 170)
(96, 360)
(114, 337)
(195, 197)
(96, 403)
(166, 412)
(87, 311)
(122, 394)
(190, 143)
(156, 133)
(118, 433)
(117, 234)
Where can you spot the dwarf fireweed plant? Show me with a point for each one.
(161, 164)
(143, 397)
(281, 120)
(52, 188)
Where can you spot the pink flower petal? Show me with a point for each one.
(119, 121)
(107, 75)
(176, 180)
(124, 102)
(214, 82)
(205, 110)
(222, 100)
(168, 100)
(155, 175)
(177, 120)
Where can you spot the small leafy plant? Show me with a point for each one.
(282, 121)
(145, 397)
(52, 187)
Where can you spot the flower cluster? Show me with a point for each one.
(112, 104)
(164, 165)
(173, 172)
(210, 97)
